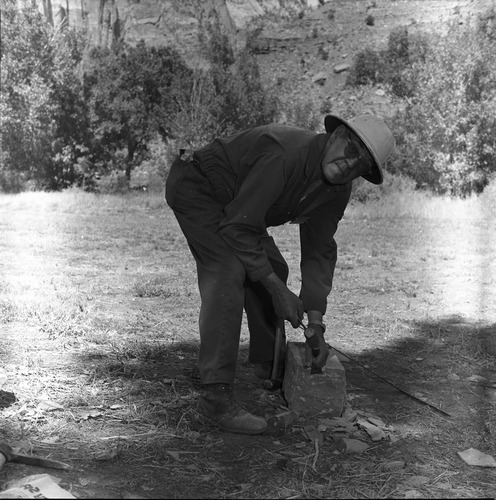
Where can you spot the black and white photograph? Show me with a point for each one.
(248, 249)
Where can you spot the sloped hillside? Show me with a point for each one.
(307, 57)
(303, 48)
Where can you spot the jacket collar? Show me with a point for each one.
(315, 155)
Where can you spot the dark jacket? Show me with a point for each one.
(270, 175)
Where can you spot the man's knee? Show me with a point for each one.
(224, 273)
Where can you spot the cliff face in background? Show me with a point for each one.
(163, 22)
(306, 57)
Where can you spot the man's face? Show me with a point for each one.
(346, 157)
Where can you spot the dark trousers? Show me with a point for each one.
(224, 287)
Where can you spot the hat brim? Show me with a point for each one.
(332, 122)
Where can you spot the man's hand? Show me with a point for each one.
(287, 305)
(316, 350)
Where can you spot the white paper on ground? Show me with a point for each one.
(36, 486)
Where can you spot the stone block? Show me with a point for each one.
(308, 394)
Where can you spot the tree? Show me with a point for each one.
(133, 94)
(244, 101)
(71, 130)
(25, 104)
(42, 114)
(447, 134)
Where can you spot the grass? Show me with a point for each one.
(407, 203)
(98, 311)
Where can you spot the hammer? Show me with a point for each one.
(7, 455)
(275, 383)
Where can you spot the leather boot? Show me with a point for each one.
(218, 404)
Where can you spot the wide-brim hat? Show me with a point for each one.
(375, 135)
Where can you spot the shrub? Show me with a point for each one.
(133, 94)
(303, 115)
(11, 181)
(42, 112)
(233, 92)
(216, 46)
(398, 46)
(487, 24)
(367, 68)
(398, 65)
(403, 59)
(447, 134)
(113, 182)
(323, 54)
(370, 21)
(364, 191)
(153, 171)
(326, 106)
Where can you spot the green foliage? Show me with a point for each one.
(326, 106)
(145, 104)
(217, 48)
(363, 191)
(246, 103)
(446, 132)
(40, 100)
(70, 116)
(71, 127)
(152, 172)
(323, 54)
(304, 115)
(113, 181)
(367, 68)
(396, 66)
(25, 104)
(405, 54)
(133, 94)
(238, 99)
(487, 25)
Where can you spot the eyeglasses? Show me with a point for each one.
(352, 150)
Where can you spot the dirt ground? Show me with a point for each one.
(99, 343)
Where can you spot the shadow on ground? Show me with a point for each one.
(433, 356)
(449, 363)
(141, 432)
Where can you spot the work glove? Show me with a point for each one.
(316, 350)
(287, 305)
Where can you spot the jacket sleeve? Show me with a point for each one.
(319, 251)
(244, 221)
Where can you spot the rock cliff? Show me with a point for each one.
(306, 57)
(164, 22)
